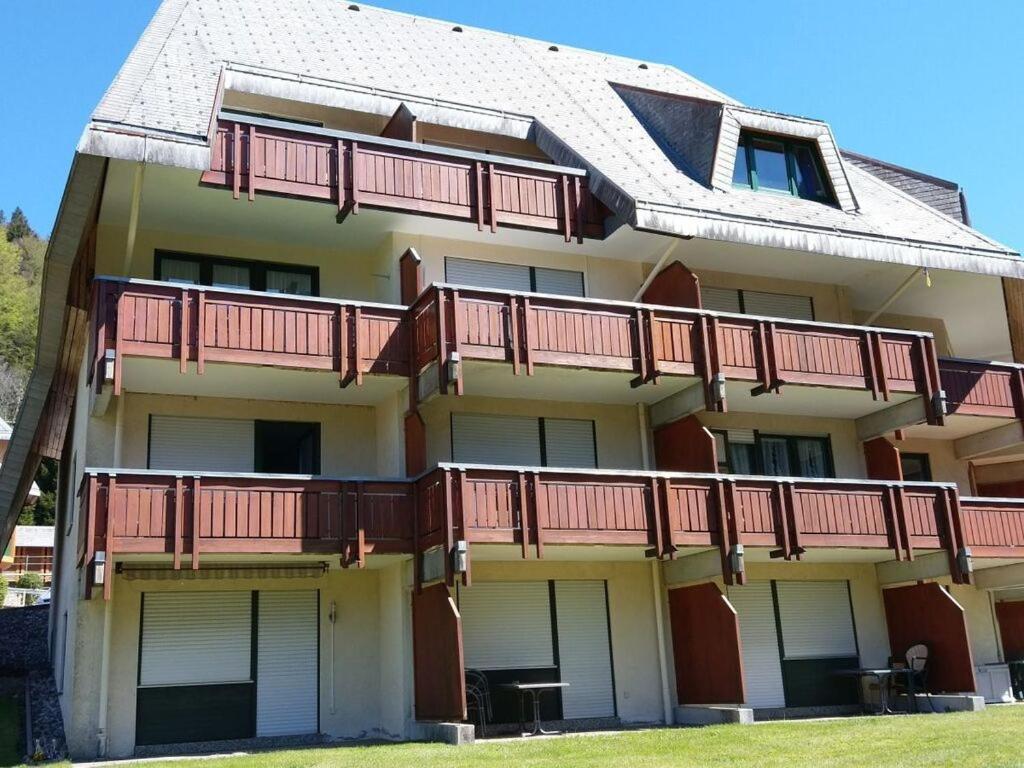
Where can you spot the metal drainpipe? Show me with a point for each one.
(659, 623)
(645, 448)
(108, 620)
(895, 295)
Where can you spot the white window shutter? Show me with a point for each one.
(562, 282)
(762, 667)
(778, 305)
(481, 438)
(816, 619)
(287, 673)
(487, 274)
(182, 443)
(584, 652)
(195, 638)
(569, 443)
(507, 625)
(720, 299)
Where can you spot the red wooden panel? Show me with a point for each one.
(883, 460)
(898, 362)
(978, 389)
(1010, 615)
(995, 525)
(592, 505)
(706, 646)
(690, 509)
(820, 356)
(674, 286)
(565, 335)
(438, 667)
(925, 613)
(737, 348)
(491, 504)
(684, 446)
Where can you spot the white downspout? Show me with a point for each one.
(657, 268)
(645, 447)
(108, 620)
(659, 623)
(133, 217)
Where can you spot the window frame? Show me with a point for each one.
(926, 464)
(541, 434)
(742, 301)
(533, 274)
(791, 451)
(257, 270)
(789, 145)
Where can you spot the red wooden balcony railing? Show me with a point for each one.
(530, 329)
(993, 527)
(139, 511)
(200, 514)
(664, 511)
(976, 388)
(184, 323)
(255, 154)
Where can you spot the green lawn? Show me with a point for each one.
(991, 738)
(11, 748)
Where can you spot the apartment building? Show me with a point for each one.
(377, 349)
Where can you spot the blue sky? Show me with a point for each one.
(935, 85)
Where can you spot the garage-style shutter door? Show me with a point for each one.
(217, 445)
(584, 649)
(195, 638)
(479, 438)
(507, 625)
(762, 668)
(287, 679)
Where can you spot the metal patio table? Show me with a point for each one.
(534, 690)
(883, 675)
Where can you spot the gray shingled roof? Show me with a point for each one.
(940, 194)
(166, 91)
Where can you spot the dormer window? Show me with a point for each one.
(775, 164)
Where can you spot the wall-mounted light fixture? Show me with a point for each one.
(99, 567)
(460, 556)
(736, 564)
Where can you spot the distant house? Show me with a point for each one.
(390, 361)
(5, 439)
(30, 550)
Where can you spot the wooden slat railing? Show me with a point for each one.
(539, 329)
(255, 154)
(975, 388)
(162, 320)
(192, 515)
(136, 512)
(993, 527)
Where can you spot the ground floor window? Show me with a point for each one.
(227, 665)
(795, 635)
(541, 631)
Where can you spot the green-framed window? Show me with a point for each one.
(785, 166)
(220, 272)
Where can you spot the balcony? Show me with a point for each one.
(199, 515)
(352, 170)
(177, 329)
(867, 369)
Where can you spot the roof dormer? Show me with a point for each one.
(769, 152)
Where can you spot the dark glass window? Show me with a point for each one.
(916, 467)
(780, 165)
(218, 272)
(288, 447)
(774, 455)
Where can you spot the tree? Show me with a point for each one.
(3, 581)
(12, 389)
(29, 580)
(18, 227)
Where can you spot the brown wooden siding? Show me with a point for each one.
(982, 389)
(353, 171)
(207, 325)
(706, 646)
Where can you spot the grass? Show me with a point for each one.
(11, 748)
(990, 738)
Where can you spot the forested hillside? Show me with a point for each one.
(21, 276)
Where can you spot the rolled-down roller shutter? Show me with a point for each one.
(569, 443)
(481, 438)
(487, 274)
(196, 638)
(287, 670)
(778, 305)
(584, 649)
(507, 625)
(513, 277)
(216, 445)
(762, 668)
(816, 619)
(720, 299)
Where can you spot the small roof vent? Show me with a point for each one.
(643, 66)
(456, 29)
(553, 48)
(354, 7)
